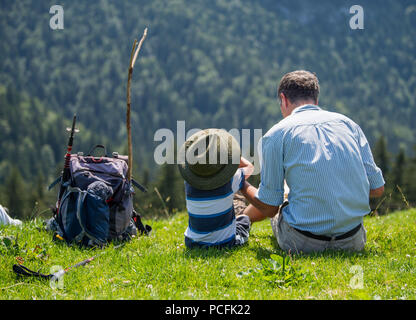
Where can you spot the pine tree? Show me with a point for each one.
(398, 169)
(382, 160)
(37, 194)
(409, 179)
(381, 156)
(398, 179)
(16, 194)
(170, 186)
(146, 177)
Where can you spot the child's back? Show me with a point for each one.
(212, 219)
(210, 186)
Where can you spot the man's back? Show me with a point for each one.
(328, 166)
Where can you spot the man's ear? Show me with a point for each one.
(283, 105)
(283, 100)
(286, 104)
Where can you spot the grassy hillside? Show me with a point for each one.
(160, 267)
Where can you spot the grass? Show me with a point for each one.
(160, 267)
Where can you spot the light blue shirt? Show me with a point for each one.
(328, 166)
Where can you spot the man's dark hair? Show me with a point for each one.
(299, 85)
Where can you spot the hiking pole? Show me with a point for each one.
(133, 56)
(66, 173)
(21, 270)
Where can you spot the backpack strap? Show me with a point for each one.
(98, 146)
(138, 185)
(55, 183)
(21, 270)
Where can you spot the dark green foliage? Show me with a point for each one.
(33, 145)
(400, 177)
(381, 156)
(211, 63)
(409, 181)
(16, 197)
(170, 185)
(398, 169)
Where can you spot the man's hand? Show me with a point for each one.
(250, 193)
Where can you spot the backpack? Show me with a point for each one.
(96, 205)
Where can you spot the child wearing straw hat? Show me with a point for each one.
(214, 172)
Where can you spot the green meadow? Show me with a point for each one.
(160, 267)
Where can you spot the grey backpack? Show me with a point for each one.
(97, 203)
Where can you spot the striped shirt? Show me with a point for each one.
(211, 212)
(329, 168)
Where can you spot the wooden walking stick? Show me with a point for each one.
(134, 54)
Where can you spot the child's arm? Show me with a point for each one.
(247, 167)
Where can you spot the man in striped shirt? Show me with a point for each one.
(327, 163)
(210, 188)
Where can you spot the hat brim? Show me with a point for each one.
(215, 181)
(208, 183)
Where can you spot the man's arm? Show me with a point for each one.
(271, 188)
(374, 174)
(249, 193)
(265, 201)
(377, 193)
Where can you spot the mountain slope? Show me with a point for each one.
(212, 63)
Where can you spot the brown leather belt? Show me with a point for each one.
(326, 238)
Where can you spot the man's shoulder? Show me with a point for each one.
(337, 115)
(344, 119)
(319, 116)
(278, 129)
(281, 129)
(286, 125)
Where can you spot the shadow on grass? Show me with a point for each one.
(212, 252)
(264, 253)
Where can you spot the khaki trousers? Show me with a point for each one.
(292, 241)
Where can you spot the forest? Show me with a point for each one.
(209, 63)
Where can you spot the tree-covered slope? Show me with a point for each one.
(212, 63)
